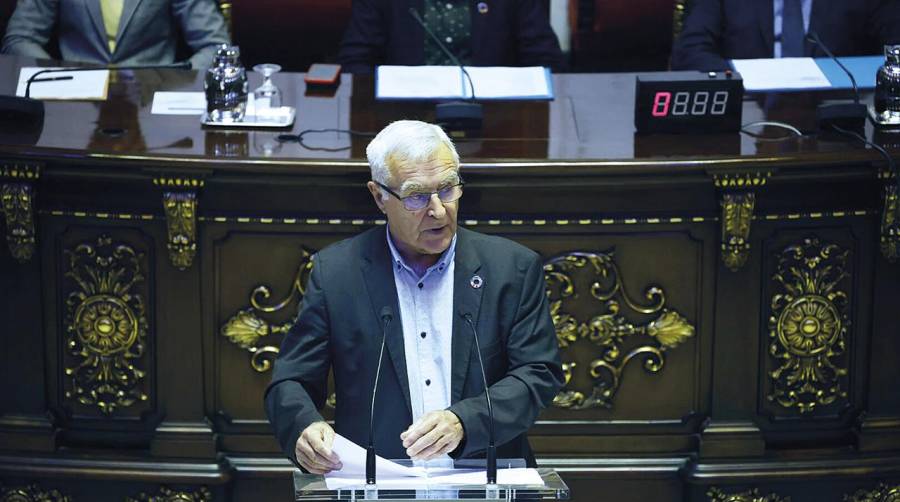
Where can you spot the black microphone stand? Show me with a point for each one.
(491, 449)
(851, 116)
(460, 118)
(185, 65)
(386, 317)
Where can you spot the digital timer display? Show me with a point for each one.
(688, 102)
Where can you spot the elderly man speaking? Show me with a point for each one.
(430, 400)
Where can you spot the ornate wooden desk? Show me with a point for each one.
(727, 306)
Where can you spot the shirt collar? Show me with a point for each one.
(440, 266)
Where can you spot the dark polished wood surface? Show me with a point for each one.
(590, 123)
(698, 266)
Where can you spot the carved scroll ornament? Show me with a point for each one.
(247, 326)
(609, 329)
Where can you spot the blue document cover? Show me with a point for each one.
(863, 69)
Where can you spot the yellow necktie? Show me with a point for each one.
(112, 13)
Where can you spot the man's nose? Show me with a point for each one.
(436, 207)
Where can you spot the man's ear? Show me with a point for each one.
(375, 190)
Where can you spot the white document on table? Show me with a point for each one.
(83, 85)
(392, 475)
(779, 74)
(449, 82)
(178, 103)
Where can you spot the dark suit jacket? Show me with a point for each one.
(717, 30)
(339, 328)
(511, 33)
(149, 31)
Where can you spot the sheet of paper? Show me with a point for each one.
(404, 82)
(447, 82)
(440, 478)
(780, 74)
(500, 82)
(353, 458)
(178, 103)
(86, 85)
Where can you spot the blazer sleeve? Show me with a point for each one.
(699, 47)
(203, 28)
(300, 374)
(30, 28)
(532, 381)
(537, 44)
(365, 41)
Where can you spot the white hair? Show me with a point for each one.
(405, 141)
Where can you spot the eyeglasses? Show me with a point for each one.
(417, 201)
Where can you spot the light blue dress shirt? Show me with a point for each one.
(778, 6)
(426, 314)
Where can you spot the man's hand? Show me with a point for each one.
(313, 449)
(435, 434)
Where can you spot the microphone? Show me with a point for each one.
(850, 116)
(184, 65)
(461, 119)
(387, 315)
(491, 449)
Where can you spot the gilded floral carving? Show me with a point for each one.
(106, 325)
(881, 493)
(31, 493)
(181, 223)
(808, 326)
(166, 494)
(737, 214)
(17, 204)
(716, 495)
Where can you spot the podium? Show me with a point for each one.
(312, 487)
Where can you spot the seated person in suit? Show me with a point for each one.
(423, 281)
(718, 30)
(121, 32)
(479, 33)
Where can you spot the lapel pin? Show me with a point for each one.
(476, 281)
(482, 8)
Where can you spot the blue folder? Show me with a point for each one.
(863, 69)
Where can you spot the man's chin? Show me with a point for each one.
(436, 242)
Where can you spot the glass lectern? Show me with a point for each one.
(313, 487)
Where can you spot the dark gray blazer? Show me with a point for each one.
(339, 328)
(149, 31)
(717, 30)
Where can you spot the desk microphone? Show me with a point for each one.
(850, 116)
(461, 119)
(387, 316)
(491, 449)
(184, 65)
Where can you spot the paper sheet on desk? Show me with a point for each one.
(86, 85)
(448, 82)
(395, 476)
(781, 74)
(178, 103)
